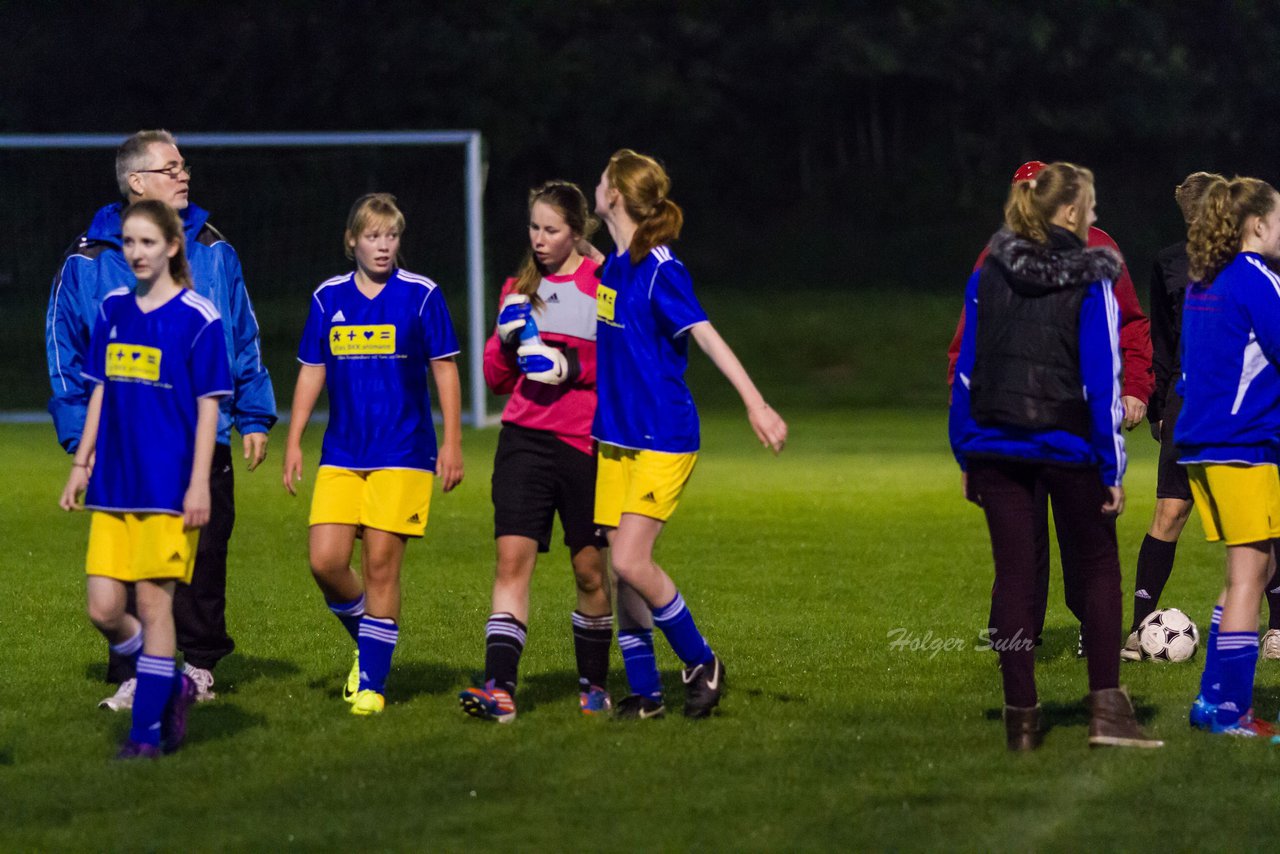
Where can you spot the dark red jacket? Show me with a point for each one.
(1135, 330)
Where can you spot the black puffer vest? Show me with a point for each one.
(1027, 368)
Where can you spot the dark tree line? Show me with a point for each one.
(855, 132)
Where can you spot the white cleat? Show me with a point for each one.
(204, 682)
(122, 699)
(1131, 651)
(1271, 644)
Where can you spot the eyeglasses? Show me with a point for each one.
(171, 171)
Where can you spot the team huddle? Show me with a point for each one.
(1040, 400)
(154, 357)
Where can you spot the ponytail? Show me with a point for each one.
(644, 186)
(1032, 204)
(1217, 227)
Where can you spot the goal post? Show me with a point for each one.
(469, 140)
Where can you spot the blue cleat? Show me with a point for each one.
(1203, 713)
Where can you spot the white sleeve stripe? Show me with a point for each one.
(444, 355)
(312, 364)
(222, 392)
(1117, 406)
(201, 332)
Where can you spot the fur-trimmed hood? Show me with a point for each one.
(1035, 269)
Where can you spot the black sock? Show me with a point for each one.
(1155, 564)
(504, 638)
(592, 637)
(1273, 602)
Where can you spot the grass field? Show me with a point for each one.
(801, 570)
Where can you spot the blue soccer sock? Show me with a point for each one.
(677, 624)
(129, 648)
(349, 613)
(155, 684)
(639, 662)
(1211, 679)
(376, 642)
(1237, 659)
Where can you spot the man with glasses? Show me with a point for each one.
(149, 166)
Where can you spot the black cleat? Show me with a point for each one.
(703, 686)
(638, 707)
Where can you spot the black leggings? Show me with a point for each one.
(1090, 565)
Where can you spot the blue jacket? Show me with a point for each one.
(94, 266)
(1230, 349)
(1099, 349)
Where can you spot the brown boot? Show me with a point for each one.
(1111, 721)
(1023, 728)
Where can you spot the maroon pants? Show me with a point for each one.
(1090, 566)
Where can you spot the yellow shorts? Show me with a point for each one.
(647, 483)
(1238, 504)
(140, 547)
(394, 500)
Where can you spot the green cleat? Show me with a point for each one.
(368, 702)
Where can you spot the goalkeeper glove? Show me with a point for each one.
(543, 364)
(516, 310)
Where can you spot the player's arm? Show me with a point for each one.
(253, 406)
(1100, 368)
(66, 349)
(768, 425)
(1135, 347)
(81, 462)
(444, 372)
(197, 502)
(960, 422)
(305, 394)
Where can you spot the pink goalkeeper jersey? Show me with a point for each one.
(567, 320)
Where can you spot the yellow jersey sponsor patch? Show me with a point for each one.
(133, 362)
(605, 300)
(376, 340)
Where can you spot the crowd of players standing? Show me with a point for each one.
(154, 356)
(1040, 398)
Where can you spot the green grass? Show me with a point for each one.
(798, 569)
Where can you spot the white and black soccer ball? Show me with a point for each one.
(1168, 635)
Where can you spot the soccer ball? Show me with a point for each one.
(1168, 635)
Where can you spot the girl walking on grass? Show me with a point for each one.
(647, 425)
(371, 337)
(158, 359)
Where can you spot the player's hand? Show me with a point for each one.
(1134, 411)
(77, 482)
(770, 429)
(516, 309)
(292, 469)
(542, 364)
(255, 449)
(449, 466)
(587, 249)
(196, 504)
(1114, 505)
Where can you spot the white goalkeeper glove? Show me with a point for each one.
(516, 309)
(543, 364)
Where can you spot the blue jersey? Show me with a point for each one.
(154, 367)
(644, 312)
(376, 353)
(1230, 349)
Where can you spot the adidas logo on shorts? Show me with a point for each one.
(175, 557)
(415, 519)
(648, 496)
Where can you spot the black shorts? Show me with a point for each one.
(536, 476)
(1171, 478)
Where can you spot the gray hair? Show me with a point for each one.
(132, 154)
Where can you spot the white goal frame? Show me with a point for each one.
(470, 140)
